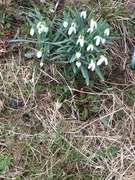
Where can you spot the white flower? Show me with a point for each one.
(72, 28)
(41, 64)
(93, 26)
(32, 31)
(107, 32)
(90, 47)
(92, 65)
(41, 26)
(39, 54)
(78, 55)
(98, 40)
(80, 40)
(83, 14)
(103, 40)
(101, 60)
(46, 29)
(65, 24)
(78, 64)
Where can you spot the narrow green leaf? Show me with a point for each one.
(99, 73)
(73, 58)
(85, 74)
(29, 55)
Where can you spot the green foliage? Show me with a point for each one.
(62, 93)
(110, 150)
(5, 162)
(76, 40)
(84, 114)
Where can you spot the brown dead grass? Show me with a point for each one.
(35, 145)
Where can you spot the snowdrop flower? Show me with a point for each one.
(65, 24)
(83, 14)
(32, 31)
(103, 40)
(101, 60)
(78, 55)
(92, 65)
(90, 47)
(41, 26)
(107, 32)
(80, 40)
(98, 40)
(39, 54)
(41, 64)
(72, 28)
(78, 64)
(93, 26)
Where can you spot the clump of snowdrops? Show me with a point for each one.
(77, 40)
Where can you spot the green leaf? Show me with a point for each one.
(84, 114)
(29, 55)
(85, 74)
(74, 67)
(99, 73)
(73, 58)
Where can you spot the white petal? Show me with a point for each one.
(78, 64)
(78, 55)
(90, 47)
(41, 64)
(46, 29)
(39, 54)
(107, 32)
(97, 38)
(80, 40)
(74, 29)
(92, 65)
(106, 61)
(83, 14)
(70, 30)
(101, 60)
(38, 25)
(32, 32)
(65, 24)
(93, 24)
(40, 31)
(90, 30)
(103, 40)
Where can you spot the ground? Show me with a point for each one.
(52, 128)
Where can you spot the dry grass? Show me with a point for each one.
(53, 142)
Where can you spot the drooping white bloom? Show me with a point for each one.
(101, 60)
(92, 65)
(46, 29)
(78, 64)
(103, 40)
(32, 31)
(39, 54)
(78, 55)
(80, 40)
(93, 26)
(65, 24)
(90, 47)
(107, 32)
(98, 40)
(72, 28)
(83, 14)
(41, 26)
(41, 64)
